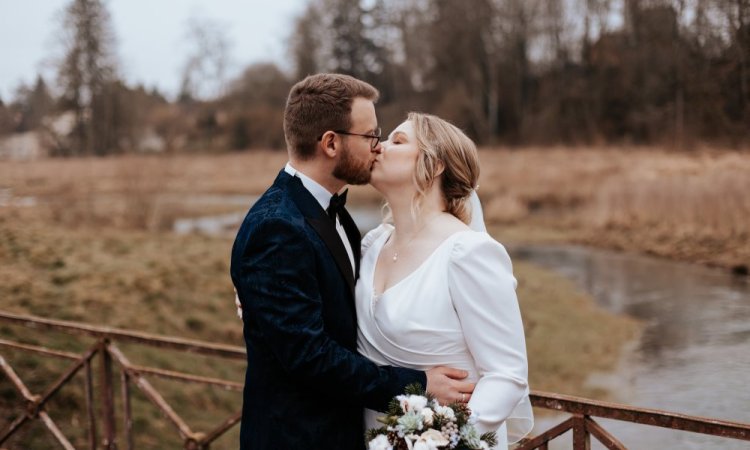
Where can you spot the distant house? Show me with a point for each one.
(150, 142)
(22, 146)
(36, 144)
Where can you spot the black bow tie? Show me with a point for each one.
(337, 205)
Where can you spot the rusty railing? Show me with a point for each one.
(581, 410)
(104, 347)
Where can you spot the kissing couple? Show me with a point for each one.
(337, 325)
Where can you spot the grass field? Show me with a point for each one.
(686, 206)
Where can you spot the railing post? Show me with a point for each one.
(127, 409)
(90, 406)
(108, 398)
(581, 438)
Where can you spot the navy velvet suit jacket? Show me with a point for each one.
(305, 384)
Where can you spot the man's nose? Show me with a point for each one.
(378, 148)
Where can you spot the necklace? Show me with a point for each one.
(414, 236)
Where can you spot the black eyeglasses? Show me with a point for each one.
(375, 138)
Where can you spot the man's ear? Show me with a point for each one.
(329, 144)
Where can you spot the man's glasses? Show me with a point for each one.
(374, 138)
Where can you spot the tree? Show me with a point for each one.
(34, 104)
(255, 106)
(6, 119)
(85, 73)
(337, 36)
(204, 73)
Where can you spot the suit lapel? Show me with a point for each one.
(323, 226)
(355, 238)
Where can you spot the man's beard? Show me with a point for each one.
(350, 170)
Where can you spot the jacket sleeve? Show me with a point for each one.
(280, 296)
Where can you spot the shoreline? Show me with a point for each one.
(673, 248)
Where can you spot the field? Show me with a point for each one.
(90, 240)
(691, 207)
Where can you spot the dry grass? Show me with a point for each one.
(136, 192)
(692, 207)
(154, 282)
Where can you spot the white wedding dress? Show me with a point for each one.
(457, 309)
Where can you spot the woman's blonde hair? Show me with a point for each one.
(446, 152)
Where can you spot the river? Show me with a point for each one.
(694, 354)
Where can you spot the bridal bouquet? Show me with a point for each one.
(416, 421)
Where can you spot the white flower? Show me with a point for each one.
(412, 402)
(446, 412)
(470, 435)
(410, 422)
(380, 443)
(427, 415)
(409, 439)
(435, 436)
(424, 445)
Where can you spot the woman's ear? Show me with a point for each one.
(440, 168)
(328, 144)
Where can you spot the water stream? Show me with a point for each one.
(694, 355)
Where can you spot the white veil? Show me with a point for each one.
(477, 216)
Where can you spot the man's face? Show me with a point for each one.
(357, 154)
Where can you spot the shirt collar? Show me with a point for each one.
(321, 194)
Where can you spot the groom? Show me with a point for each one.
(295, 261)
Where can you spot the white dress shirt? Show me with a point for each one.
(323, 196)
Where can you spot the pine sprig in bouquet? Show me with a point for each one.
(416, 421)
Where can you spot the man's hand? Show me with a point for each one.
(444, 383)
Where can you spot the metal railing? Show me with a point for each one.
(581, 410)
(104, 347)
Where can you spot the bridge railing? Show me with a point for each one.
(112, 359)
(582, 411)
(113, 362)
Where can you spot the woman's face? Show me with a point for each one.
(394, 166)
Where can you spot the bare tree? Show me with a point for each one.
(86, 70)
(205, 71)
(305, 42)
(33, 105)
(521, 71)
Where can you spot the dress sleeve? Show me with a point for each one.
(483, 290)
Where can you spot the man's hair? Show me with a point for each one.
(320, 103)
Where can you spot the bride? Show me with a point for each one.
(434, 291)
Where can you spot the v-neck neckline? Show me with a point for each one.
(384, 238)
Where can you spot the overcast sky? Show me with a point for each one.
(150, 34)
